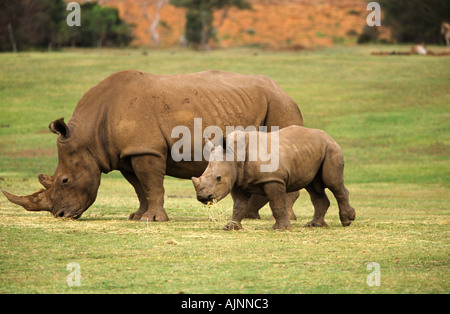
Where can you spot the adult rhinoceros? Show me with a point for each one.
(125, 123)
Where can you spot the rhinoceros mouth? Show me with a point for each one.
(206, 199)
(62, 214)
(68, 212)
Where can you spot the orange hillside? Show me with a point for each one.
(271, 23)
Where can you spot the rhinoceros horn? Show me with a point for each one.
(45, 180)
(196, 181)
(38, 201)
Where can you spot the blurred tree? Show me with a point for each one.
(31, 23)
(369, 34)
(26, 24)
(154, 18)
(9, 16)
(199, 18)
(56, 21)
(415, 20)
(100, 26)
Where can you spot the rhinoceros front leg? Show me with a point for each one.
(276, 193)
(240, 202)
(150, 171)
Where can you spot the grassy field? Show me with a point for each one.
(389, 114)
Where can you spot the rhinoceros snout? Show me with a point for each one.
(205, 199)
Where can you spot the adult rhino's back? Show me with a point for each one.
(222, 94)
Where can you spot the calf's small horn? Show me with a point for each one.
(38, 201)
(196, 181)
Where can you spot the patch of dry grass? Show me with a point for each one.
(192, 254)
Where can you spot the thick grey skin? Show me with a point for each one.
(308, 158)
(125, 122)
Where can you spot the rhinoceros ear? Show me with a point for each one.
(60, 128)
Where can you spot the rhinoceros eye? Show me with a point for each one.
(65, 180)
(219, 178)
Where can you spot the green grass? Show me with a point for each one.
(389, 114)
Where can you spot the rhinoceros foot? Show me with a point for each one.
(347, 216)
(134, 216)
(316, 223)
(146, 217)
(282, 225)
(158, 216)
(232, 225)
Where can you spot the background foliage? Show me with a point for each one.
(412, 20)
(42, 24)
(199, 18)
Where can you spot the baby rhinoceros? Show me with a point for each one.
(299, 158)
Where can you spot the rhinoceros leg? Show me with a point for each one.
(321, 203)
(143, 205)
(333, 178)
(290, 200)
(150, 171)
(240, 202)
(256, 202)
(276, 193)
(346, 213)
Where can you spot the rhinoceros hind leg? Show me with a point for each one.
(320, 202)
(258, 201)
(333, 178)
(255, 203)
(143, 205)
(150, 170)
